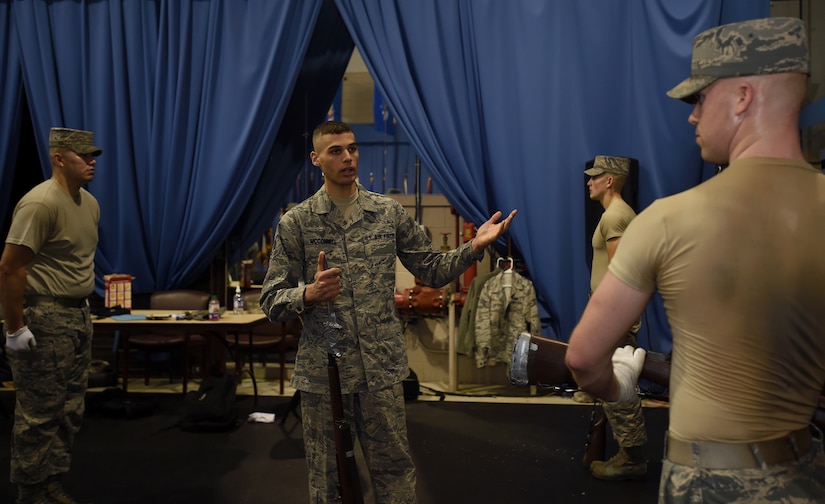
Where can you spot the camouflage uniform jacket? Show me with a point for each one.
(498, 320)
(365, 248)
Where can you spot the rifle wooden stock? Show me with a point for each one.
(656, 369)
(349, 484)
(542, 362)
(545, 363)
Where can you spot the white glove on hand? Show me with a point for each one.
(627, 366)
(22, 340)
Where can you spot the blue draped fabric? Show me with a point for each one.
(506, 101)
(202, 108)
(11, 96)
(318, 81)
(185, 99)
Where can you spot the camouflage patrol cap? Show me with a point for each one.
(77, 140)
(755, 47)
(609, 164)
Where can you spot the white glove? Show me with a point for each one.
(22, 340)
(627, 366)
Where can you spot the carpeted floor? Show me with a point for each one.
(464, 452)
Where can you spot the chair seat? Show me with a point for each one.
(260, 345)
(259, 342)
(267, 338)
(170, 339)
(164, 340)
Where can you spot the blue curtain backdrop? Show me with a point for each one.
(318, 82)
(506, 101)
(201, 108)
(184, 97)
(11, 97)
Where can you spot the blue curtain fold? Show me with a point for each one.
(506, 101)
(319, 79)
(202, 108)
(185, 99)
(11, 98)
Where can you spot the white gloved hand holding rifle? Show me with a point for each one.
(627, 366)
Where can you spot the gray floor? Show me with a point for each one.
(488, 449)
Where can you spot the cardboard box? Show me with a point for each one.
(117, 290)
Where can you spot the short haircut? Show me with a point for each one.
(330, 128)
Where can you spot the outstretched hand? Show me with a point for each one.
(491, 230)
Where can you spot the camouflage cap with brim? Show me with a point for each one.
(755, 47)
(79, 141)
(609, 164)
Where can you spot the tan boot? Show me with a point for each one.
(580, 396)
(627, 464)
(32, 494)
(55, 492)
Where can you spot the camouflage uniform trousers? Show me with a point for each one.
(378, 421)
(626, 419)
(50, 389)
(799, 482)
(627, 422)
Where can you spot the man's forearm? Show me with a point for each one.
(12, 291)
(600, 383)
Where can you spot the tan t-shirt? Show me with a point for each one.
(63, 235)
(346, 205)
(740, 264)
(612, 224)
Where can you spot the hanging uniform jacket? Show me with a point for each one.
(499, 320)
(466, 338)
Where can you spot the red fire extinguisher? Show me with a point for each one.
(467, 234)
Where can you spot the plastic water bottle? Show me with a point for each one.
(238, 307)
(214, 308)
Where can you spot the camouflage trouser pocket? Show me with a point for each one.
(33, 370)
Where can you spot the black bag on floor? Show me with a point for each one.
(211, 408)
(116, 403)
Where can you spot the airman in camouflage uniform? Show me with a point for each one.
(750, 48)
(46, 274)
(337, 251)
(607, 178)
(746, 370)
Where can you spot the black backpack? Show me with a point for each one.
(211, 408)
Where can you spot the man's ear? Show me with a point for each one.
(745, 94)
(314, 158)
